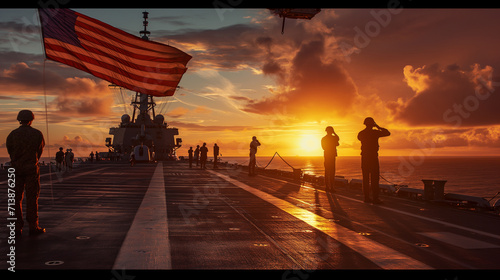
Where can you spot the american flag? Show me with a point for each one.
(111, 54)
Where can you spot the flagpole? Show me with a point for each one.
(46, 109)
(41, 32)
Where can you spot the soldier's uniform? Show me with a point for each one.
(25, 146)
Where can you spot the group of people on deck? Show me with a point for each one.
(369, 157)
(25, 146)
(64, 159)
(200, 156)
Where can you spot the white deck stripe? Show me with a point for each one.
(459, 240)
(430, 219)
(379, 254)
(409, 214)
(147, 244)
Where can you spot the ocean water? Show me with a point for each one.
(476, 176)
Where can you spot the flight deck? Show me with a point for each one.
(165, 215)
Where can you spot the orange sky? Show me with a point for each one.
(429, 76)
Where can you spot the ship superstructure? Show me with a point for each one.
(145, 133)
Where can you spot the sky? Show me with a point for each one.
(430, 76)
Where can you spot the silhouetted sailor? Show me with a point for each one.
(190, 153)
(25, 146)
(329, 144)
(197, 154)
(216, 154)
(369, 158)
(253, 150)
(203, 156)
(59, 159)
(69, 159)
(65, 162)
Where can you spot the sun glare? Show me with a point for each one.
(310, 144)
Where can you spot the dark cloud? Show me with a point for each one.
(432, 139)
(449, 96)
(17, 34)
(73, 95)
(210, 128)
(240, 98)
(311, 83)
(226, 48)
(316, 88)
(27, 29)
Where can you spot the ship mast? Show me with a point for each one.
(143, 102)
(145, 33)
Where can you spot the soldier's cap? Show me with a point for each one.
(25, 115)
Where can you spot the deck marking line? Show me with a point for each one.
(459, 240)
(64, 178)
(412, 215)
(431, 219)
(147, 244)
(379, 254)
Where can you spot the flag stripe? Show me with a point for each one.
(112, 54)
(126, 37)
(123, 57)
(112, 76)
(114, 62)
(126, 48)
(125, 71)
(92, 44)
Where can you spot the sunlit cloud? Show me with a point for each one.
(449, 96)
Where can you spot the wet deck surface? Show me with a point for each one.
(167, 216)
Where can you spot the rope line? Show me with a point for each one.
(47, 129)
(46, 110)
(276, 153)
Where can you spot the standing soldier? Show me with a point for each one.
(216, 154)
(329, 144)
(25, 146)
(59, 159)
(190, 153)
(69, 159)
(203, 156)
(197, 154)
(253, 160)
(369, 158)
(65, 162)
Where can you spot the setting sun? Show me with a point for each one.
(310, 144)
